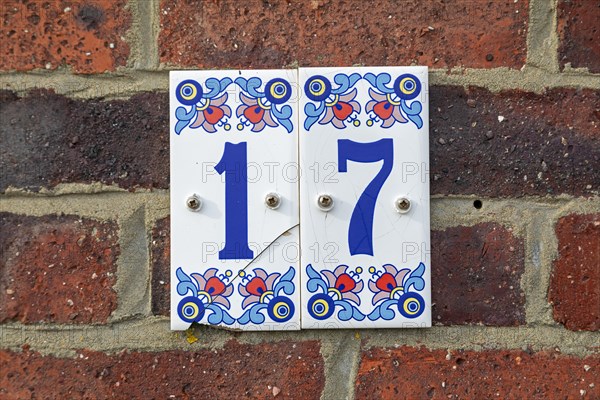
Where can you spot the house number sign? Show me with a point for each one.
(300, 198)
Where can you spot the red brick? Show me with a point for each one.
(161, 266)
(57, 269)
(55, 33)
(476, 276)
(236, 371)
(546, 144)
(419, 373)
(261, 34)
(50, 139)
(579, 34)
(125, 142)
(575, 283)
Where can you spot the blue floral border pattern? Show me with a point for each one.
(388, 104)
(207, 105)
(392, 290)
(209, 295)
(264, 292)
(334, 290)
(260, 108)
(335, 105)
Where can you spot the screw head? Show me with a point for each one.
(193, 202)
(402, 205)
(273, 200)
(325, 202)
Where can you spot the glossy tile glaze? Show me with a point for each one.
(361, 214)
(364, 146)
(234, 259)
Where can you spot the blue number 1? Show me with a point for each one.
(234, 164)
(360, 232)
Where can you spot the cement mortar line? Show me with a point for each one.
(72, 188)
(341, 358)
(94, 188)
(133, 271)
(143, 35)
(542, 35)
(540, 252)
(153, 334)
(446, 211)
(97, 205)
(125, 82)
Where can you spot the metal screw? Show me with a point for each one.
(325, 202)
(402, 205)
(193, 202)
(273, 201)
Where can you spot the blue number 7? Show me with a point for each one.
(360, 232)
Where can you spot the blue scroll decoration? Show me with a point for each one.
(209, 295)
(331, 105)
(205, 106)
(334, 290)
(397, 103)
(264, 108)
(395, 289)
(262, 291)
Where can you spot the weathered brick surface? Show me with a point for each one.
(575, 283)
(419, 373)
(161, 267)
(514, 143)
(87, 36)
(50, 139)
(234, 372)
(579, 34)
(57, 269)
(260, 34)
(546, 144)
(476, 279)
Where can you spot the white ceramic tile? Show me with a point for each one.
(364, 143)
(233, 141)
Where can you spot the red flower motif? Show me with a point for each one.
(339, 280)
(344, 283)
(340, 109)
(211, 113)
(213, 287)
(256, 286)
(257, 289)
(387, 283)
(385, 108)
(255, 111)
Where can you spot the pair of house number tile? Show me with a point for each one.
(300, 198)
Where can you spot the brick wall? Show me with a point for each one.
(84, 203)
